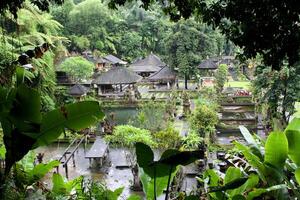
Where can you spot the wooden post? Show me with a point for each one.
(66, 170)
(73, 159)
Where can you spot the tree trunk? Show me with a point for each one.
(185, 82)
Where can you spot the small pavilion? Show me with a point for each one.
(165, 76)
(78, 90)
(114, 81)
(208, 64)
(147, 66)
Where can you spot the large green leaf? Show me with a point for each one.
(276, 149)
(232, 173)
(252, 181)
(213, 177)
(59, 186)
(134, 197)
(114, 195)
(297, 175)
(161, 182)
(253, 160)
(230, 185)
(149, 169)
(248, 136)
(40, 170)
(181, 158)
(144, 156)
(27, 105)
(213, 181)
(74, 116)
(258, 192)
(82, 114)
(293, 135)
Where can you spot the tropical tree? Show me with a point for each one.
(183, 48)
(78, 67)
(278, 92)
(240, 20)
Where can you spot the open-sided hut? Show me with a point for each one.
(165, 75)
(147, 66)
(78, 90)
(115, 80)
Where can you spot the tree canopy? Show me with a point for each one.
(78, 67)
(266, 27)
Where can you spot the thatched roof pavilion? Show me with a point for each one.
(78, 90)
(165, 74)
(115, 76)
(208, 64)
(148, 65)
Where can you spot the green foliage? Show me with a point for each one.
(134, 197)
(167, 138)
(157, 175)
(40, 170)
(235, 184)
(276, 47)
(276, 156)
(293, 136)
(221, 77)
(203, 120)
(188, 44)
(25, 127)
(192, 141)
(78, 67)
(127, 136)
(80, 43)
(278, 93)
(270, 162)
(62, 188)
(2, 152)
(79, 188)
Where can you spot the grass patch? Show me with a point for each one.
(243, 84)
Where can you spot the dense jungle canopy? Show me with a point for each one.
(278, 22)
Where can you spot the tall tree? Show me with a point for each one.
(187, 46)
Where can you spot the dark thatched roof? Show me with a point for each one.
(117, 75)
(114, 60)
(165, 74)
(78, 90)
(208, 64)
(151, 63)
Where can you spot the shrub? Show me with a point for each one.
(221, 77)
(168, 138)
(203, 120)
(127, 136)
(192, 141)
